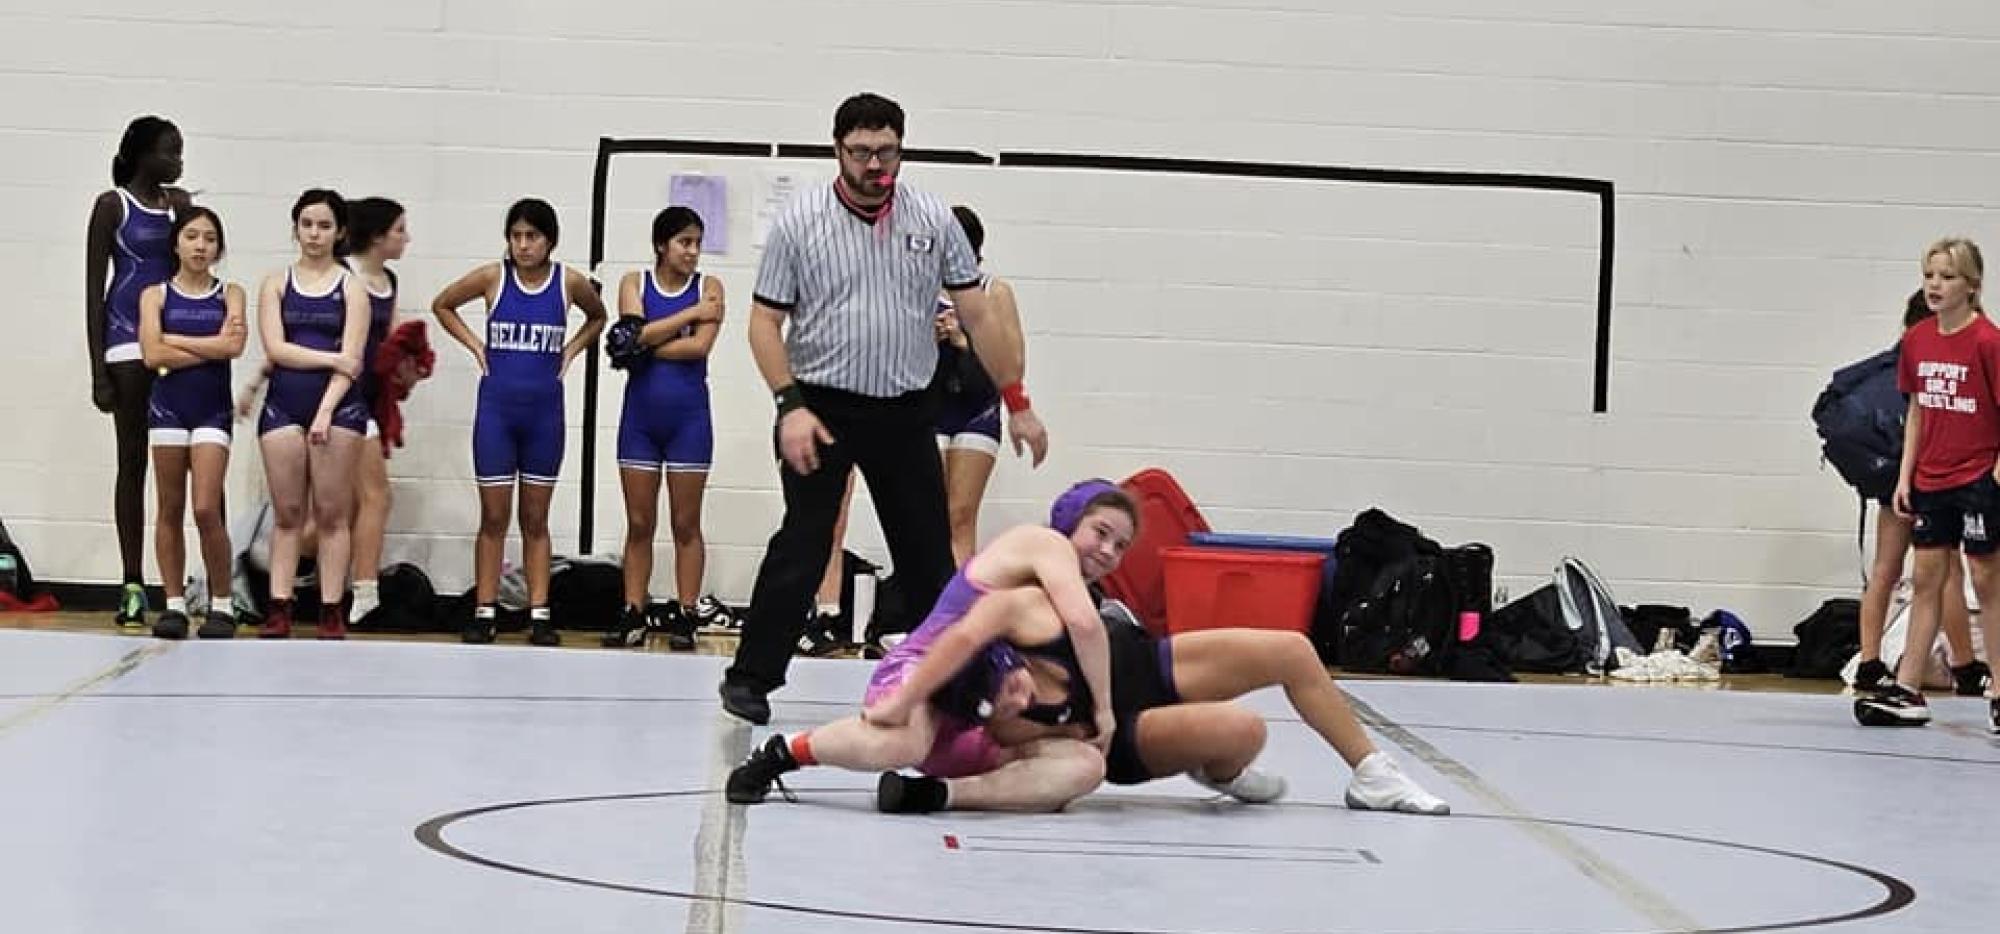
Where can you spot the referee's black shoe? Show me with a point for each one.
(745, 702)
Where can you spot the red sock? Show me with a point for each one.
(802, 750)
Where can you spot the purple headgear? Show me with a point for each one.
(1067, 511)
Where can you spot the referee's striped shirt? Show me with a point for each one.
(861, 297)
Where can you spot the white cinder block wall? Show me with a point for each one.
(1294, 351)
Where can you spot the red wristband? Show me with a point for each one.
(1015, 397)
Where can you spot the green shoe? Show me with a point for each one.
(132, 608)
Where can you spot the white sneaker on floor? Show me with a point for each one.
(1251, 787)
(1667, 665)
(1380, 785)
(715, 616)
(1632, 666)
(1707, 649)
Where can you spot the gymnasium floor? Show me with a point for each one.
(381, 785)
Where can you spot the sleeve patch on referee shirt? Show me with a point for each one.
(919, 243)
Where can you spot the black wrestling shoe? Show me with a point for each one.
(480, 630)
(750, 782)
(630, 631)
(172, 624)
(896, 793)
(672, 620)
(822, 636)
(542, 632)
(1898, 706)
(1971, 679)
(1873, 677)
(217, 626)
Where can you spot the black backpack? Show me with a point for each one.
(1408, 623)
(1398, 628)
(1827, 639)
(1859, 417)
(1469, 568)
(1362, 553)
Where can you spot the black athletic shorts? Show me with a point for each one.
(1142, 677)
(1965, 517)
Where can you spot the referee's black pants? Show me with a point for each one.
(894, 443)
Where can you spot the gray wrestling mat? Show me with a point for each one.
(371, 786)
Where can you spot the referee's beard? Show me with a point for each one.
(867, 187)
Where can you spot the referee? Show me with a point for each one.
(855, 267)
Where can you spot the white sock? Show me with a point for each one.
(177, 605)
(485, 611)
(829, 609)
(366, 599)
(221, 606)
(539, 614)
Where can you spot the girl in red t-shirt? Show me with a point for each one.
(1892, 545)
(1948, 367)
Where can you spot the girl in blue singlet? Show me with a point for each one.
(517, 426)
(377, 233)
(190, 327)
(969, 409)
(665, 426)
(127, 250)
(314, 321)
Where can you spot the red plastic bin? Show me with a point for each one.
(1167, 516)
(1212, 588)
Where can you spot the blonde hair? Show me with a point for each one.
(1965, 260)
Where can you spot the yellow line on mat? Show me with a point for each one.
(114, 671)
(1629, 889)
(721, 871)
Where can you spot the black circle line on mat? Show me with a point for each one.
(1897, 894)
(631, 699)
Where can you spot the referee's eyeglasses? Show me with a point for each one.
(864, 155)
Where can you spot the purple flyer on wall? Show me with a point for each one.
(708, 195)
